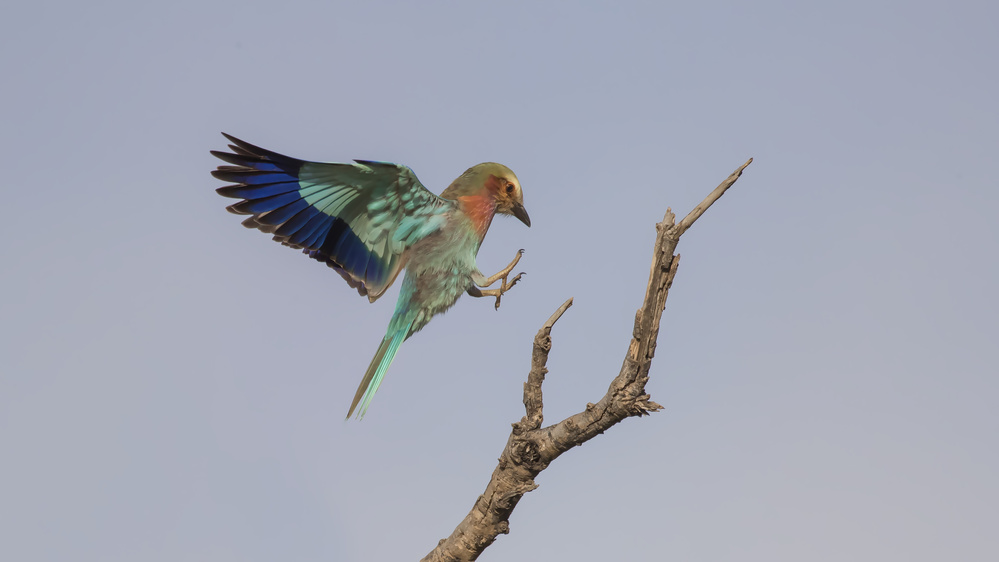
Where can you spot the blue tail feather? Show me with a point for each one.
(376, 371)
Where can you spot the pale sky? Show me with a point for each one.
(173, 386)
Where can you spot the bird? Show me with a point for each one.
(369, 220)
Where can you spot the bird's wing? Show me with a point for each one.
(358, 218)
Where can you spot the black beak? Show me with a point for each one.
(521, 213)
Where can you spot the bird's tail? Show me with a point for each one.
(376, 371)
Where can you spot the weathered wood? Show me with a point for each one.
(531, 447)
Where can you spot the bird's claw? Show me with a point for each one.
(506, 287)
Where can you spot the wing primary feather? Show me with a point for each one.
(347, 215)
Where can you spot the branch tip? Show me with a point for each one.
(697, 211)
(558, 314)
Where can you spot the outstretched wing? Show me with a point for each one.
(357, 218)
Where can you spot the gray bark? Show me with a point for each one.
(531, 447)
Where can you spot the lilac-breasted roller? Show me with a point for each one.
(369, 220)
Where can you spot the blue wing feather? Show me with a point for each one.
(258, 191)
(264, 204)
(296, 224)
(312, 233)
(357, 218)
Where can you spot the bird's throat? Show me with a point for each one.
(480, 209)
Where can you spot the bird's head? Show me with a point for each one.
(495, 181)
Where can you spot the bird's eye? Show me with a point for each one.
(509, 188)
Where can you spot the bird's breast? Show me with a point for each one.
(440, 267)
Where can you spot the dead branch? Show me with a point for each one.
(530, 447)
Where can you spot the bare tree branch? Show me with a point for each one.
(711, 198)
(530, 447)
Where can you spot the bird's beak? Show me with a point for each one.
(521, 213)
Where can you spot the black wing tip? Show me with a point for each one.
(240, 174)
(228, 191)
(235, 209)
(244, 150)
(240, 146)
(379, 164)
(230, 158)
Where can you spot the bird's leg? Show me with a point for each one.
(487, 281)
(481, 281)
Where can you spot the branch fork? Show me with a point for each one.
(531, 447)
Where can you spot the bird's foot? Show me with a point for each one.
(504, 287)
(502, 274)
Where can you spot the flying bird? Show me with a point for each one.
(369, 220)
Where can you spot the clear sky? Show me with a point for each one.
(173, 386)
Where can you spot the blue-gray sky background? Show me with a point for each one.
(173, 386)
